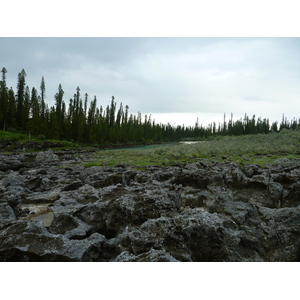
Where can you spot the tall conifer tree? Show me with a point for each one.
(43, 95)
(3, 100)
(20, 97)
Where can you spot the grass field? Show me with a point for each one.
(247, 149)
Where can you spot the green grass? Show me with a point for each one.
(33, 142)
(248, 149)
(12, 136)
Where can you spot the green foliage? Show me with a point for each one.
(17, 139)
(248, 149)
(84, 122)
(41, 137)
(12, 136)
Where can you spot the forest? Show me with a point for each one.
(83, 121)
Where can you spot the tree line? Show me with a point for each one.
(83, 121)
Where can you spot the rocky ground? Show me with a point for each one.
(54, 209)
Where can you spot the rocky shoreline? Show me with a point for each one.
(54, 209)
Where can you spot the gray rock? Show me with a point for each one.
(6, 213)
(276, 193)
(187, 212)
(46, 156)
(150, 256)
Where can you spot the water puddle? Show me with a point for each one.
(38, 212)
(47, 218)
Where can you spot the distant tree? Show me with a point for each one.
(3, 100)
(12, 110)
(20, 97)
(91, 121)
(85, 103)
(43, 95)
(26, 109)
(59, 110)
(119, 116)
(112, 111)
(88, 123)
(224, 130)
(53, 130)
(214, 128)
(4, 71)
(34, 126)
(274, 126)
(126, 114)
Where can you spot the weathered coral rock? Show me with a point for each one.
(186, 212)
(46, 156)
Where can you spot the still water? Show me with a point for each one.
(47, 218)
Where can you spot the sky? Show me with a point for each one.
(176, 80)
(175, 63)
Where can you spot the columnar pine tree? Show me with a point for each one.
(60, 110)
(43, 95)
(26, 109)
(20, 97)
(12, 110)
(35, 125)
(3, 100)
(112, 111)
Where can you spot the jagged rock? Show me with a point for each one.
(276, 193)
(293, 196)
(187, 212)
(63, 223)
(13, 179)
(43, 197)
(12, 162)
(259, 181)
(46, 156)
(37, 244)
(6, 213)
(150, 256)
(251, 170)
(73, 186)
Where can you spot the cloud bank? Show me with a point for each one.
(175, 80)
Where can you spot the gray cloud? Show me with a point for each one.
(192, 76)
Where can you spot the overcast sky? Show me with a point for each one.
(175, 80)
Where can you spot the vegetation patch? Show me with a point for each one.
(247, 149)
(12, 136)
(82, 121)
(12, 141)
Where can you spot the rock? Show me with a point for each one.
(251, 170)
(13, 179)
(37, 244)
(187, 212)
(43, 197)
(63, 223)
(150, 256)
(276, 193)
(259, 181)
(12, 162)
(46, 156)
(73, 186)
(6, 213)
(292, 199)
